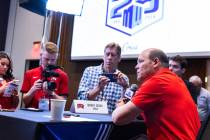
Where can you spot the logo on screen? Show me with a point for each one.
(132, 16)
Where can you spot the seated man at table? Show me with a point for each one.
(38, 82)
(95, 86)
(165, 102)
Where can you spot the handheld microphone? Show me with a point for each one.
(129, 93)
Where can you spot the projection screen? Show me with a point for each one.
(175, 26)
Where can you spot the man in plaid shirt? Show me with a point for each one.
(95, 86)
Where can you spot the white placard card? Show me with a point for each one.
(87, 106)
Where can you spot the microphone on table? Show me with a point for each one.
(129, 93)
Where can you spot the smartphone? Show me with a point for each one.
(32, 109)
(111, 76)
(7, 110)
(68, 114)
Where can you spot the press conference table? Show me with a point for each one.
(29, 125)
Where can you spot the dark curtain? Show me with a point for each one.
(64, 46)
(4, 16)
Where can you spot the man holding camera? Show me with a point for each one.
(104, 82)
(46, 81)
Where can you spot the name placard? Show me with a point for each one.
(87, 106)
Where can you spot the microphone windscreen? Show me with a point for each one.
(129, 93)
(134, 87)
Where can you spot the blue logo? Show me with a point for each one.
(132, 16)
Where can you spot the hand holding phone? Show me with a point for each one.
(112, 77)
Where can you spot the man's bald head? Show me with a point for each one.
(196, 80)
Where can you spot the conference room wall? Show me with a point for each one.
(24, 27)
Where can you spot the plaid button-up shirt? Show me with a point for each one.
(111, 93)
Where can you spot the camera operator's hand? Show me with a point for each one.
(37, 85)
(46, 90)
(51, 93)
(30, 94)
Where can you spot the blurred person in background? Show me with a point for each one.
(203, 99)
(178, 65)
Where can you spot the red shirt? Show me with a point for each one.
(6, 102)
(34, 74)
(169, 111)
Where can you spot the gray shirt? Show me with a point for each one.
(203, 104)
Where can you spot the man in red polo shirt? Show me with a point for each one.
(163, 99)
(35, 86)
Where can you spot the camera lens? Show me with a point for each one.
(51, 86)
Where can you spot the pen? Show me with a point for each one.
(71, 114)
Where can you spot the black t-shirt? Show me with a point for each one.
(194, 92)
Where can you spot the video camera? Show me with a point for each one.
(49, 72)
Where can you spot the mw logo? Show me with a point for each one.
(131, 16)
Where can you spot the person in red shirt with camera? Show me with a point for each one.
(40, 83)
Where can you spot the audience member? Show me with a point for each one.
(203, 99)
(95, 86)
(163, 100)
(10, 99)
(178, 65)
(45, 81)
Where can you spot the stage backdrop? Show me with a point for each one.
(175, 26)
